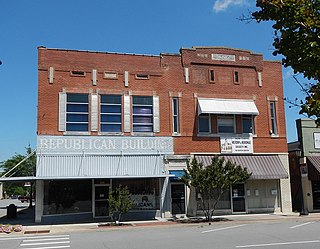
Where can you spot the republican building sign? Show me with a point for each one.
(236, 145)
(105, 145)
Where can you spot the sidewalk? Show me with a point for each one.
(25, 217)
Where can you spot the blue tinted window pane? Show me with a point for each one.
(142, 110)
(142, 100)
(110, 118)
(77, 127)
(142, 128)
(142, 119)
(175, 124)
(247, 125)
(175, 106)
(111, 109)
(111, 127)
(204, 124)
(77, 117)
(226, 129)
(78, 98)
(77, 108)
(111, 99)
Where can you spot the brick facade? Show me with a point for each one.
(166, 80)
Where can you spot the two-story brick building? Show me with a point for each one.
(110, 119)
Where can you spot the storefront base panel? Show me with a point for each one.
(67, 218)
(261, 211)
(88, 217)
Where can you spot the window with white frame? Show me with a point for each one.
(142, 112)
(247, 124)
(110, 113)
(226, 124)
(175, 114)
(77, 112)
(273, 118)
(204, 123)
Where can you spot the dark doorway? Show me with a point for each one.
(316, 194)
(238, 198)
(178, 198)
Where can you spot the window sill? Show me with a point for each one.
(208, 135)
(77, 133)
(176, 134)
(225, 135)
(110, 133)
(274, 135)
(142, 134)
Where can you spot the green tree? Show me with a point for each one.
(212, 181)
(297, 38)
(120, 203)
(26, 168)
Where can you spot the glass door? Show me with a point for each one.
(178, 199)
(101, 200)
(238, 198)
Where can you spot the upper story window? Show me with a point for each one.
(175, 114)
(77, 112)
(247, 124)
(211, 75)
(141, 76)
(204, 123)
(111, 113)
(236, 77)
(226, 124)
(142, 111)
(273, 118)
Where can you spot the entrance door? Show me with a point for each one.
(101, 202)
(238, 198)
(316, 194)
(178, 199)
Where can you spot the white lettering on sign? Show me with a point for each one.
(202, 55)
(244, 58)
(223, 57)
(103, 144)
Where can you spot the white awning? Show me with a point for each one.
(227, 106)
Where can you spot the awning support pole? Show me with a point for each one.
(24, 159)
(163, 194)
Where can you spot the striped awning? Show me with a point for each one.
(77, 166)
(261, 166)
(313, 163)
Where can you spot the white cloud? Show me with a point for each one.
(221, 5)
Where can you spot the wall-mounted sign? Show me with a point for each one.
(304, 170)
(223, 57)
(316, 140)
(236, 145)
(105, 145)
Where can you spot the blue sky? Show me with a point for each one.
(141, 26)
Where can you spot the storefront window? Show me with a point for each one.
(63, 197)
(144, 192)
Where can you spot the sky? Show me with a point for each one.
(125, 26)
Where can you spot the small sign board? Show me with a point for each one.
(236, 145)
(316, 140)
(304, 170)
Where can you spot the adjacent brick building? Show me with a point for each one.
(109, 119)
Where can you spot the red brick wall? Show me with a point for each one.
(167, 79)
